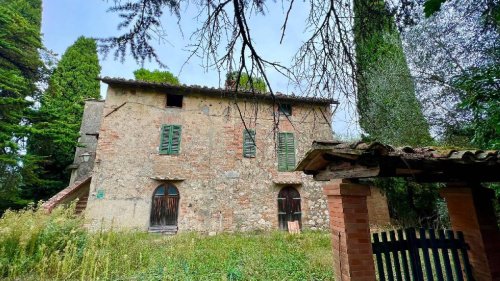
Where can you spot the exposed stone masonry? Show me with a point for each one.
(220, 190)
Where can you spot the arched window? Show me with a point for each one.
(288, 207)
(165, 206)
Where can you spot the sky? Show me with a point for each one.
(63, 21)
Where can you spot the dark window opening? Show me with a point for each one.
(289, 207)
(174, 100)
(285, 109)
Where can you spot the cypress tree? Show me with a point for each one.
(74, 80)
(388, 108)
(20, 41)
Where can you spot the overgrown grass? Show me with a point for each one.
(36, 246)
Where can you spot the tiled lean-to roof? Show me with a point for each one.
(333, 159)
(214, 92)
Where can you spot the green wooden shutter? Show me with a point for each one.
(248, 143)
(290, 152)
(170, 139)
(282, 152)
(286, 152)
(165, 139)
(175, 144)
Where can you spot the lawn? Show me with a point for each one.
(36, 246)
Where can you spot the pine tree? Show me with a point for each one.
(74, 80)
(388, 108)
(20, 40)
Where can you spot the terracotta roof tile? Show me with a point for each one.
(210, 91)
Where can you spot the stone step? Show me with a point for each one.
(81, 205)
(167, 229)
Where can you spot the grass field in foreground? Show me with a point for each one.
(36, 246)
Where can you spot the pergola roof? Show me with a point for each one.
(338, 160)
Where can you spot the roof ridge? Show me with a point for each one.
(212, 90)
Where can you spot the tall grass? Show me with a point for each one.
(37, 246)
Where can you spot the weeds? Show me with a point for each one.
(37, 246)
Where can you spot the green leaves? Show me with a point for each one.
(432, 6)
(481, 95)
(388, 108)
(156, 76)
(60, 115)
(246, 82)
(20, 42)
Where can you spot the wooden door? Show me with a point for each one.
(288, 207)
(165, 206)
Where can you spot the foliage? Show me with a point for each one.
(481, 95)
(388, 108)
(36, 246)
(60, 114)
(246, 82)
(20, 40)
(413, 204)
(432, 6)
(156, 76)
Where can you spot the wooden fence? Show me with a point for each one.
(420, 255)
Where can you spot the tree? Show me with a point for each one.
(20, 40)
(59, 118)
(156, 76)
(246, 82)
(388, 108)
(323, 66)
(456, 38)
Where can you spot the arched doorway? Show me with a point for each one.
(288, 207)
(165, 206)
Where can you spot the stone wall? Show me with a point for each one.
(91, 121)
(220, 190)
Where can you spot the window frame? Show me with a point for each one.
(253, 152)
(285, 109)
(169, 151)
(177, 96)
(287, 153)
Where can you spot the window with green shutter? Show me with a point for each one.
(286, 152)
(249, 143)
(170, 139)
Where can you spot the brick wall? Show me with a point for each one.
(220, 190)
(378, 210)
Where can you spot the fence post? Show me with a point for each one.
(351, 241)
(471, 212)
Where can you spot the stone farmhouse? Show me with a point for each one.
(164, 158)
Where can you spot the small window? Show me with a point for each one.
(249, 143)
(160, 191)
(174, 100)
(285, 109)
(286, 152)
(170, 139)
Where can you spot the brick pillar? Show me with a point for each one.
(349, 224)
(471, 211)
